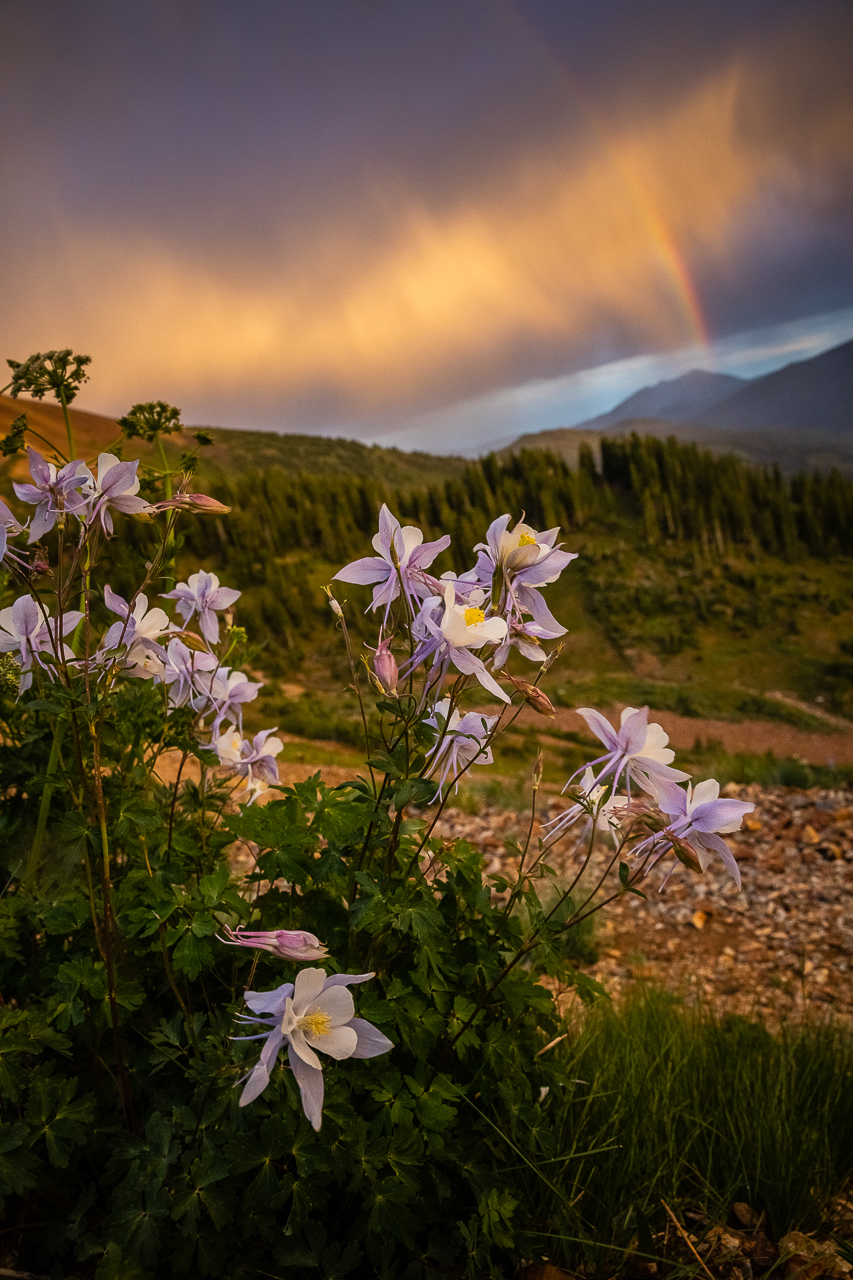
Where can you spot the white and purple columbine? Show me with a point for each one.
(315, 1013)
(636, 750)
(54, 493)
(116, 489)
(459, 741)
(138, 630)
(28, 632)
(202, 594)
(699, 819)
(403, 557)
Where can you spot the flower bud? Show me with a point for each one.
(289, 945)
(201, 503)
(534, 697)
(385, 667)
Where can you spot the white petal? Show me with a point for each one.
(703, 792)
(309, 984)
(340, 1042)
(336, 1003)
(303, 1050)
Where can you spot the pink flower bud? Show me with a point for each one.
(198, 502)
(385, 667)
(295, 945)
(534, 697)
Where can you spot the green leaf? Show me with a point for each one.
(17, 1165)
(60, 1118)
(191, 955)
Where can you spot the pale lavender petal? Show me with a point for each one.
(28, 493)
(718, 813)
(718, 845)
(371, 1041)
(269, 1001)
(118, 479)
(260, 1077)
(534, 604)
(128, 503)
(43, 521)
(602, 728)
(368, 570)
(208, 625)
(424, 555)
(311, 1088)
(347, 979)
(115, 603)
(633, 732)
(223, 598)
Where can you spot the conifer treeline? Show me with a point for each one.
(680, 493)
(674, 492)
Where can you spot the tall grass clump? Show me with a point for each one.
(672, 1104)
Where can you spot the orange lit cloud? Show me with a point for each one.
(576, 240)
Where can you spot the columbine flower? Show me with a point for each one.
(527, 560)
(403, 556)
(181, 671)
(599, 803)
(638, 749)
(255, 760)
(447, 632)
(202, 594)
(8, 525)
(700, 817)
(139, 632)
(459, 741)
(28, 632)
(296, 945)
(314, 1013)
(117, 486)
(224, 692)
(53, 492)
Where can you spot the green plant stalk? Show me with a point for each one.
(107, 936)
(72, 450)
(34, 855)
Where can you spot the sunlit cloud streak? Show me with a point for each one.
(592, 246)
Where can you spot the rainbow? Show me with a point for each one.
(661, 239)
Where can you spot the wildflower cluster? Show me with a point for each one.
(174, 1090)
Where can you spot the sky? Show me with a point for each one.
(424, 222)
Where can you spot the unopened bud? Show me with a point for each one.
(552, 658)
(385, 667)
(686, 854)
(335, 607)
(191, 640)
(40, 565)
(537, 771)
(534, 697)
(201, 503)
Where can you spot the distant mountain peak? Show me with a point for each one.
(674, 399)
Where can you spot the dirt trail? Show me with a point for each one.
(748, 735)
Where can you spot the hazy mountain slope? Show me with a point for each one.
(232, 452)
(792, 451)
(815, 394)
(677, 399)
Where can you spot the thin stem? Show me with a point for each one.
(34, 856)
(72, 452)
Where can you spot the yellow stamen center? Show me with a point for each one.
(316, 1024)
(473, 616)
(526, 540)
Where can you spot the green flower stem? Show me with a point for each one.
(167, 470)
(107, 935)
(72, 451)
(34, 855)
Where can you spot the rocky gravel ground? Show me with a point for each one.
(780, 946)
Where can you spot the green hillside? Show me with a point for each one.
(705, 578)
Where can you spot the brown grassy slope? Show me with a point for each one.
(93, 434)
